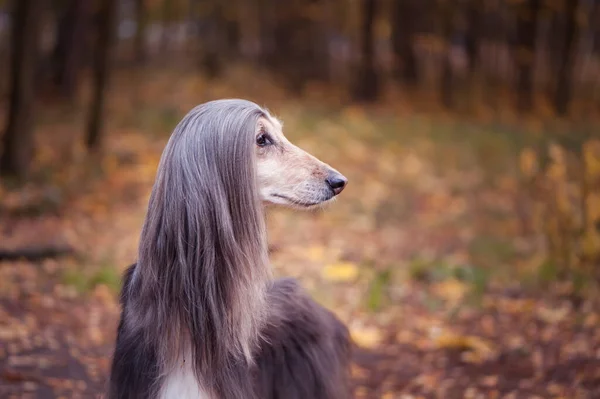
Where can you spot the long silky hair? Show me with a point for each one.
(202, 268)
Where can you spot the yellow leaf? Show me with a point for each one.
(590, 245)
(451, 290)
(473, 343)
(591, 156)
(528, 162)
(593, 209)
(342, 271)
(366, 337)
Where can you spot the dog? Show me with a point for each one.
(202, 317)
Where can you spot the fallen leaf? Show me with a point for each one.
(528, 162)
(449, 340)
(367, 337)
(451, 290)
(359, 372)
(489, 381)
(553, 315)
(342, 271)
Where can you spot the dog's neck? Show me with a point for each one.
(206, 299)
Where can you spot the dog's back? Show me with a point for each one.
(305, 352)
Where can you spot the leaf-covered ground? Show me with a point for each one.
(425, 255)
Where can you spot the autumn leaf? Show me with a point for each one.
(528, 162)
(591, 156)
(367, 337)
(553, 315)
(358, 372)
(449, 340)
(451, 290)
(340, 272)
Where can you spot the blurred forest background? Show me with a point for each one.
(464, 254)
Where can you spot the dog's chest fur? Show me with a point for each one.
(181, 382)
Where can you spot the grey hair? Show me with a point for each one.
(202, 269)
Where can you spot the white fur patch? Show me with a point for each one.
(181, 383)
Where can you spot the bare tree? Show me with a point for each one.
(167, 15)
(105, 35)
(527, 20)
(446, 11)
(565, 68)
(69, 45)
(18, 137)
(140, 32)
(294, 36)
(212, 38)
(404, 29)
(367, 85)
(472, 32)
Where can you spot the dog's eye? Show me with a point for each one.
(263, 139)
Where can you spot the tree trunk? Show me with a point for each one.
(404, 29)
(278, 37)
(296, 31)
(213, 41)
(527, 17)
(317, 64)
(140, 32)
(472, 33)
(18, 138)
(167, 15)
(105, 36)
(267, 25)
(230, 28)
(447, 78)
(565, 69)
(367, 85)
(446, 83)
(554, 47)
(69, 44)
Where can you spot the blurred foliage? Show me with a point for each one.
(438, 250)
(563, 187)
(464, 254)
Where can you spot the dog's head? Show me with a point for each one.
(288, 175)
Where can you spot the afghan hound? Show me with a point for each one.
(202, 317)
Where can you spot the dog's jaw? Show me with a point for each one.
(288, 202)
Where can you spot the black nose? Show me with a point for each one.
(337, 182)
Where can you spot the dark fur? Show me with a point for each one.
(304, 353)
(134, 370)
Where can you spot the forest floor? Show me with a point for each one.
(425, 255)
